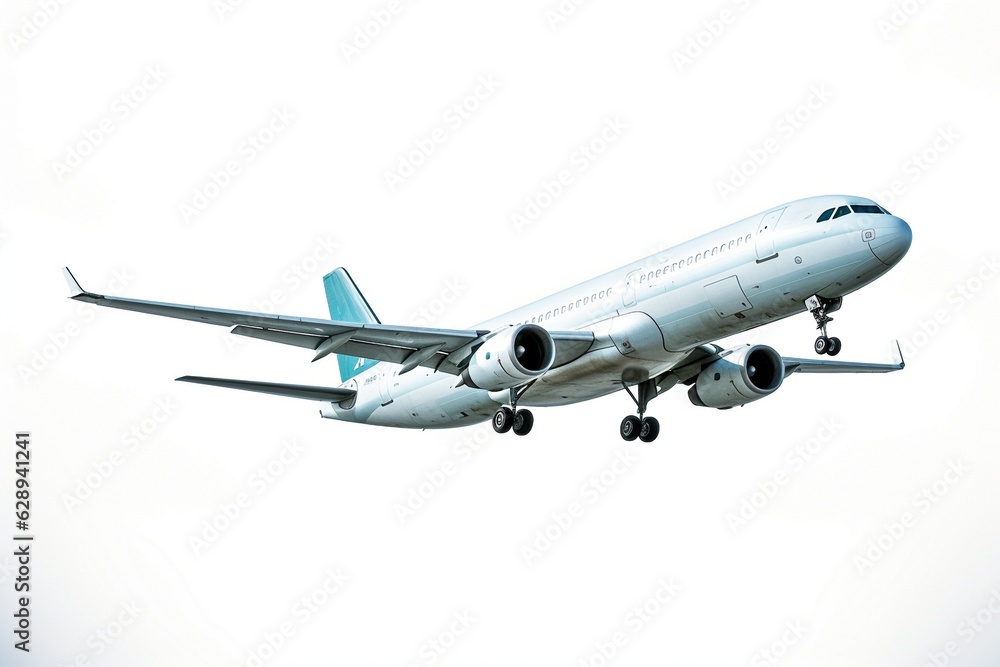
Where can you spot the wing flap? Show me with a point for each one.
(307, 341)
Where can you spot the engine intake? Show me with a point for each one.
(744, 375)
(510, 358)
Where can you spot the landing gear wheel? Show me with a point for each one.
(630, 428)
(822, 345)
(503, 420)
(649, 429)
(523, 421)
(834, 348)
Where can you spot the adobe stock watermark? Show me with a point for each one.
(365, 34)
(785, 128)
(223, 8)
(33, 24)
(899, 15)
(561, 12)
(561, 522)
(302, 611)
(922, 501)
(76, 152)
(419, 494)
(218, 180)
(957, 299)
(795, 459)
(778, 649)
(258, 483)
(317, 260)
(580, 160)
(436, 646)
(917, 165)
(429, 313)
(454, 117)
(699, 42)
(634, 622)
(970, 628)
(105, 637)
(132, 439)
(56, 342)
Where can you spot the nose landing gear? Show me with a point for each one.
(819, 307)
(644, 428)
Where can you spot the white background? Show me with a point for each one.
(80, 380)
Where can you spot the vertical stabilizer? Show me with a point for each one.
(347, 304)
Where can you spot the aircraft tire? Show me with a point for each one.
(835, 347)
(822, 345)
(523, 421)
(630, 427)
(649, 429)
(503, 420)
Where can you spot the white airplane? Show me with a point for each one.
(648, 325)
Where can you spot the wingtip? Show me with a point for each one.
(899, 353)
(74, 286)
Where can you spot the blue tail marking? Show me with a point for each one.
(347, 304)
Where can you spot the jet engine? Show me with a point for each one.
(510, 358)
(745, 374)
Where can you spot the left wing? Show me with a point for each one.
(700, 357)
(794, 365)
(445, 350)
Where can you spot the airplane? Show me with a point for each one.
(649, 325)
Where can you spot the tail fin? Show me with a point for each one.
(347, 304)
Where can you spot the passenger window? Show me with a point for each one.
(825, 215)
(843, 210)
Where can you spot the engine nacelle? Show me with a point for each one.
(746, 374)
(510, 358)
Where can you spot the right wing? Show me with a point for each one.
(445, 350)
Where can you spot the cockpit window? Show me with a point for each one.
(866, 208)
(825, 215)
(843, 210)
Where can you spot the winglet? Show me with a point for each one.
(899, 351)
(77, 292)
(74, 286)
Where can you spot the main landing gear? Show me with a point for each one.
(819, 307)
(507, 419)
(644, 428)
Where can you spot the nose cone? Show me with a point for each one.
(889, 238)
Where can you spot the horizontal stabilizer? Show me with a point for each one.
(332, 394)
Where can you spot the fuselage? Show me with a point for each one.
(648, 315)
